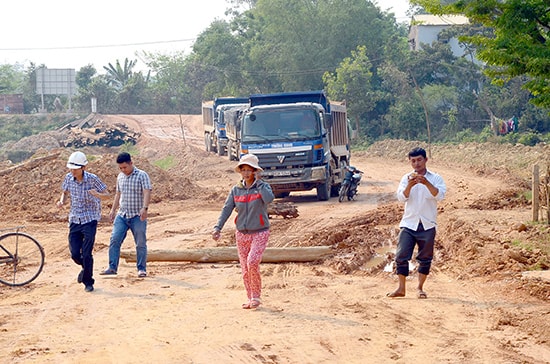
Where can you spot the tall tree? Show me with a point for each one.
(135, 96)
(518, 44)
(290, 44)
(105, 94)
(352, 82)
(84, 76)
(11, 77)
(172, 89)
(119, 76)
(219, 53)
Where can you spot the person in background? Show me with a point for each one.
(129, 212)
(250, 197)
(420, 189)
(85, 190)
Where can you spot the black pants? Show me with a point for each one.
(81, 245)
(406, 243)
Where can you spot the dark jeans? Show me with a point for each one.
(81, 245)
(406, 242)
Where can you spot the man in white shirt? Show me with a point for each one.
(420, 189)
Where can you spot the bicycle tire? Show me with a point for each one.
(21, 259)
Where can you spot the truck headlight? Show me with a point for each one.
(318, 173)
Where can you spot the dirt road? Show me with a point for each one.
(333, 311)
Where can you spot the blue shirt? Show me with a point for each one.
(84, 206)
(131, 191)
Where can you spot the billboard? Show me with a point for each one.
(50, 81)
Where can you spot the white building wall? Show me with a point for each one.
(427, 35)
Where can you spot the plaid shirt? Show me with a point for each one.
(131, 191)
(84, 206)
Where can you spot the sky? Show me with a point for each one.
(72, 34)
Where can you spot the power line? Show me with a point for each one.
(98, 46)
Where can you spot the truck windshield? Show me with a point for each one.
(277, 125)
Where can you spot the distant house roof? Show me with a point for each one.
(428, 19)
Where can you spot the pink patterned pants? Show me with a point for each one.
(250, 248)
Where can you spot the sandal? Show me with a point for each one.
(246, 306)
(255, 303)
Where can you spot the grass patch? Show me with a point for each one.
(129, 148)
(538, 244)
(528, 195)
(165, 163)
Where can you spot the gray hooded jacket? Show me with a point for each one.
(251, 206)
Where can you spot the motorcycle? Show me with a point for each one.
(352, 179)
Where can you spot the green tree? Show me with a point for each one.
(118, 76)
(134, 97)
(84, 76)
(11, 78)
(219, 54)
(442, 104)
(169, 87)
(518, 44)
(105, 94)
(289, 45)
(31, 99)
(131, 87)
(396, 87)
(405, 119)
(84, 80)
(352, 82)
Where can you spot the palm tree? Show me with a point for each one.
(117, 76)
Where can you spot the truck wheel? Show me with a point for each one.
(229, 151)
(335, 190)
(323, 191)
(207, 142)
(220, 149)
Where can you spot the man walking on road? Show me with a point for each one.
(132, 197)
(85, 190)
(420, 189)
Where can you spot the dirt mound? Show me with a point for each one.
(513, 163)
(31, 189)
(78, 134)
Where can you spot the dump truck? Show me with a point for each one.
(215, 138)
(300, 138)
(232, 117)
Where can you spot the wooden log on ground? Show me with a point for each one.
(229, 254)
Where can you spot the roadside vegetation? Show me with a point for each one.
(357, 53)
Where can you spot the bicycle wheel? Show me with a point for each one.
(21, 259)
